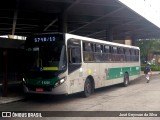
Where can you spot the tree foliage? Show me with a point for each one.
(147, 46)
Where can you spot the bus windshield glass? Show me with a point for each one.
(48, 55)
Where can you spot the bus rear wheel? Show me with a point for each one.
(126, 80)
(88, 88)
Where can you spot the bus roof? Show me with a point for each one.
(68, 36)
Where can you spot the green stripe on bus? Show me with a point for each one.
(114, 73)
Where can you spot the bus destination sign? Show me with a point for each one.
(44, 39)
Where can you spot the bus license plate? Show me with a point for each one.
(39, 89)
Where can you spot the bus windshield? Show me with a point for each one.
(46, 57)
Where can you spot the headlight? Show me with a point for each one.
(24, 80)
(62, 80)
(59, 82)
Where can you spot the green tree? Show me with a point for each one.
(147, 46)
(156, 45)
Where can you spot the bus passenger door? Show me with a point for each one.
(74, 65)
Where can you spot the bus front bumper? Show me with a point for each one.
(61, 89)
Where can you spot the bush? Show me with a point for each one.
(153, 67)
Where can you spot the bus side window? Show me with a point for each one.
(88, 49)
(132, 55)
(97, 53)
(114, 53)
(98, 48)
(107, 54)
(127, 54)
(120, 54)
(74, 55)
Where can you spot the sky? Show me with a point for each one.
(147, 8)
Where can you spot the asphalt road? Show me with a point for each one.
(138, 96)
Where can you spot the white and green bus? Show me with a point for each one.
(65, 64)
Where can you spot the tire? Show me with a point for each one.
(126, 80)
(88, 88)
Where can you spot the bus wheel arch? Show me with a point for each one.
(126, 79)
(89, 86)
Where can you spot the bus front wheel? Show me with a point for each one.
(87, 88)
(126, 80)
